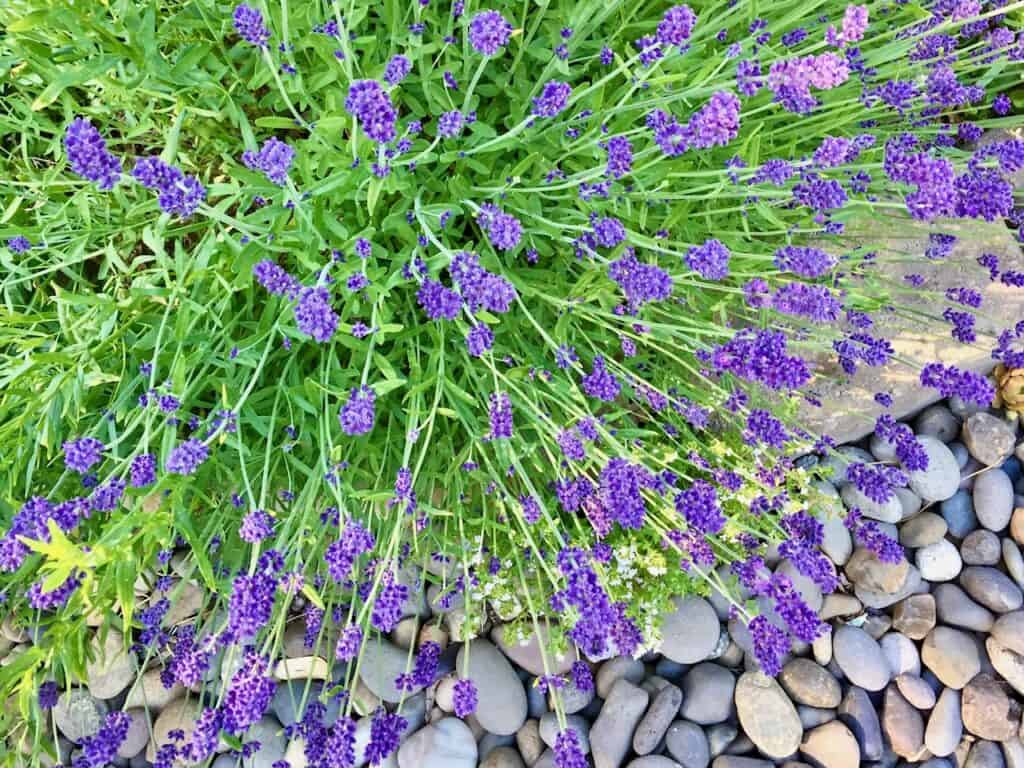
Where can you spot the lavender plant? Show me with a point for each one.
(314, 305)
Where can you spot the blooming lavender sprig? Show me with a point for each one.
(274, 159)
(489, 32)
(249, 25)
(88, 155)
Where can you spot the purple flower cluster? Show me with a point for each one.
(479, 340)
(908, 449)
(275, 279)
(716, 123)
(370, 104)
(552, 100)
(760, 356)
(814, 302)
(19, 244)
(710, 260)
(601, 625)
(397, 69)
(480, 288)
(791, 80)
(950, 380)
(186, 458)
(177, 193)
(771, 644)
(464, 697)
(314, 315)
(500, 417)
(568, 751)
(248, 695)
(621, 487)
(438, 301)
(640, 282)
(256, 526)
(424, 669)
(341, 555)
(699, 505)
(358, 414)
(762, 427)
(503, 229)
(88, 155)
(387, 607)
(100, 749)
(600, 382)
(804, 260)
(273, 159)
(489, 32)
(676, 25)
(249, 25)
(620, 157)
(82, 454)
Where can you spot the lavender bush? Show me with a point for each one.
(317, 304)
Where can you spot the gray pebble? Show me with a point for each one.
(992, 588)
(958, 512)
(960, 453)
(993, 499)
(810, 685)
(502, 757)
(688, 745)
(980, 547)
(720, 736)
(612, 733)
(985, 754)
(940, 479)
(953, 606)
(939, 561)
(1013, 561)
(952, 655)
(663, 710)
(619, 668)
(989, 438)
(916, 691)
(927, 528)
(860, 658)
(858, 713)
(812, 717)
(549, 730)
(79, 714)
(937, 421)
(708, 694)
(690, 631)
(652, 761)
(944, 725)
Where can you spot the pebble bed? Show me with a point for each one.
(924, 664)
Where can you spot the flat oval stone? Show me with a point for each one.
(858, 713)
(916, 691)
(981, 547)
(992, 588)
(941, 478)
(612, 733)
(501, 703)
(807, 683)
(937, 421)
(767, 715)
(939, 561)
(1007, 663)
(1014, 561)
(958, 512)
(529, 653)
(1009, 631)
(915, 616)
(708, 694)
(877, 600)
(953, 606)
(944, 725)
(690, 632)
(624, 667)
(447, 743)
(652, 761)
(688, 745)
(658, 718)
(865, 570)
(735, 761)
(952, 655)
(860, 658)
(901, 653)
(927, 528)
(889, 511)
(989, 438)
(78, 714)
(984, 754)
(549, 730)
(993, 499)
(381, 665)
(989, 710)
(112, 668)
(831, 745)
(902, 724)
(502, 757)
(812, 717)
